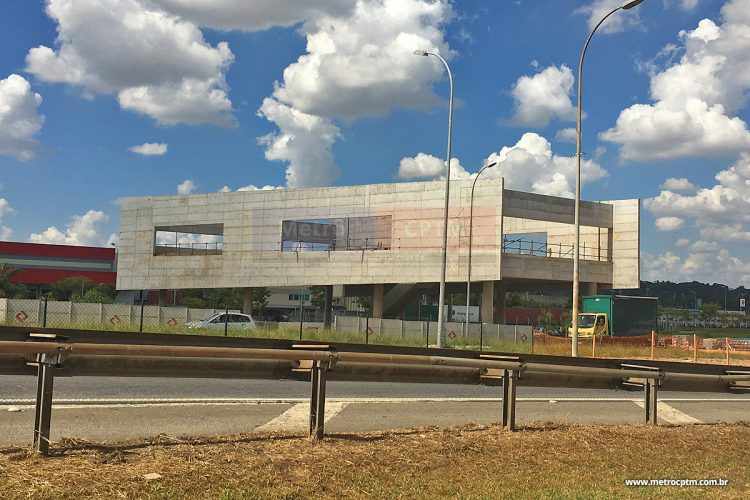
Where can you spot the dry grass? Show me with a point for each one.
(542, 461)
(561, 347)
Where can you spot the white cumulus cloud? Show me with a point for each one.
(5, 210)
(669, 223)
(304, 141)
(528, 165)
(186, 187)
(543, 97)
(82, 230)
(727, 202)
(20, 120)
(566, 135)
(696, 100)
(720, 212)
(150, 149)
(359, 63)
(154, 62)
(704, 262)
(363, 63)
(425, 166)
(678, 184)
(253, 15)
(620, 21)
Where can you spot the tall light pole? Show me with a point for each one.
(579, 153)
(471, 223)
(441, 306)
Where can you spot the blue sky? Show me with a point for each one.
(62, 177)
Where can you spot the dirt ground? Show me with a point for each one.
(539, 461)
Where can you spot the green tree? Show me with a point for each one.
(80, 289)
(67, 287)
(194, 302)
(96, 295)
(318, 296)
(709, 310)
(259, 299)
(9, 290)
(362, 303)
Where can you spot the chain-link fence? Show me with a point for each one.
(74, 315)
(228, 322)
(672, 325)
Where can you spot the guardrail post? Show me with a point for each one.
(43, 410)
(651, 400)
(318, 400)
(509, 399)
(314, 373)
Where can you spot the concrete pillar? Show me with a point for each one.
(247, 301)
(377, 300)
(328, 307)
(591, 289)
(500, 302)
(487, 308)
(492, 309)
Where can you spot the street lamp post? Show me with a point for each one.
(579, 153)
(471, 223)
(447, 195)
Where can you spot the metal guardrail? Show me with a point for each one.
(172, 249)
(523, 246)
(47, 353)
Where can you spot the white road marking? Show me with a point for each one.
(298, 417)
(671, 414)
(62, 403)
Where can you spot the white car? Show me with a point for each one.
(218, 320)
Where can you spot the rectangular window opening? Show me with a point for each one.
(186, 240)
(340, 234)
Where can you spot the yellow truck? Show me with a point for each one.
(616, 315)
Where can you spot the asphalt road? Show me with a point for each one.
(116, 388)
(114, 409)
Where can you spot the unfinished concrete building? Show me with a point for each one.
(381, 241)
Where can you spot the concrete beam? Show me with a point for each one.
(554, 209)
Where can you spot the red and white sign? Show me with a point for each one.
(115, 320)
(172, 322)
(21, 316)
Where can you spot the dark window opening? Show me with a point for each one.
(347, 233)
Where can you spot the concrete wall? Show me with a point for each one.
(252, 230)
(252, 221)
(554, 209)
(626, 244)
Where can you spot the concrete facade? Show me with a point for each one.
(252, 253)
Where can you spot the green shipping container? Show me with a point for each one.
(628, 316)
